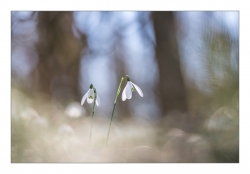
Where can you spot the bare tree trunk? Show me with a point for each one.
(59, 51)
(171, 86)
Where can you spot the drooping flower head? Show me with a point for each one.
(90, 96)
(129, 88)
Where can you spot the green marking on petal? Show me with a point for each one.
(132, 89)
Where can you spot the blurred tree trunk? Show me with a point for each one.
(172, 92)
(59, 52)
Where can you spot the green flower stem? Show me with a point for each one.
(93, 111)
(117, 94)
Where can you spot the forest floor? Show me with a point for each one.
(38, 137)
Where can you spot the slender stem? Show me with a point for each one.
(111, 122)
(93, 111)
(117, 94)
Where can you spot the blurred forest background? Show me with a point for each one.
(186, 63)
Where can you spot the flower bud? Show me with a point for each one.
(128, 78)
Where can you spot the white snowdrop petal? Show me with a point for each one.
(89, 100)
(138, 90)
(98, 102)
(128, 91)
(91, 93)
(84, 97)
(124, 94)
(131, 85)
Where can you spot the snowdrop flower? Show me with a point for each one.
(90, 96)
(129, 88)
